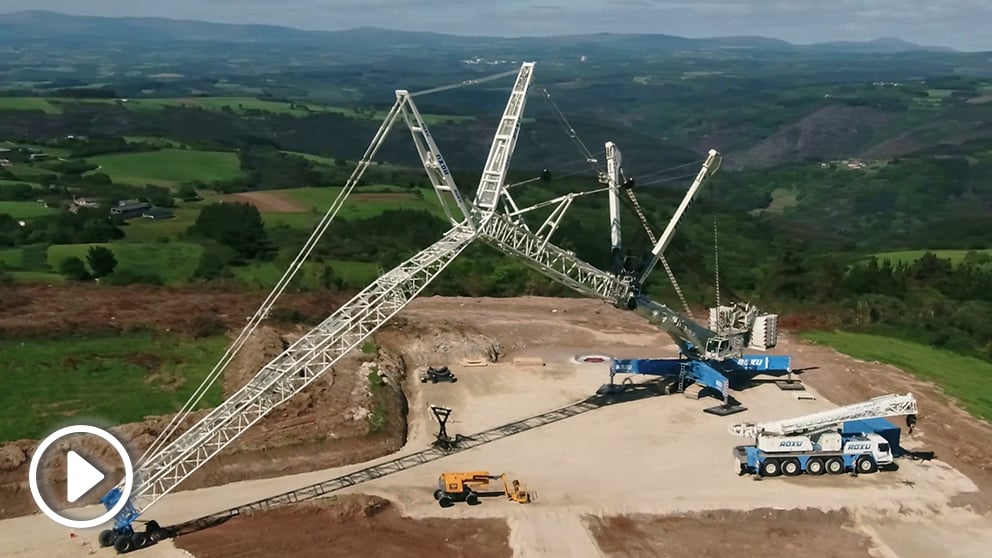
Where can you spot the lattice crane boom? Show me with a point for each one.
(491, 185)
(297, 367)
(882, 406)
(312, 355)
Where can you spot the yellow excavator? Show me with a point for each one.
(468, 487)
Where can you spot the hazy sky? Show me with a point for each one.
(963, 24)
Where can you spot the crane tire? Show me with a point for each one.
(865, 465)
(771, 468)
(835, 466)
(139, 540)
(815, 466)
(445, 501)
(123, 544)
(472, 499)
(106, 538)
(791, 467)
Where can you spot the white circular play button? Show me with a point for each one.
(82, 476)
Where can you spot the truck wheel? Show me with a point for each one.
(815, 466)
(835, 465)
(445, 501)
(472, 499)
(791, 467)
(123, 544)
(437, 494)
(865, 465)
(770, 468)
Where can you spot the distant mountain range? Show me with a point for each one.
(50, 26)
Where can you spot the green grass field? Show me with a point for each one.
(240, 105)
(362, 203)
(910, 256)
(114, 379)
(25, 209)
(174, 262)
(169, 167)
(29, 103)
(968, 380)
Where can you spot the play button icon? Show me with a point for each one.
(81, 478)
(81, 475)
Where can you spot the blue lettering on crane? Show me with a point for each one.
(791, 444)
(858, 447)
(442, 164)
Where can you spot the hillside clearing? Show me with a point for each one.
(120, 378)
(174, 262)
(910, 256)
(25, 209)
(966, 379)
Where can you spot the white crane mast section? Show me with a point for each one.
(298, 366)
(883, 406)
(613, 162)
(666, 237)
(494, 173)
(431, 159)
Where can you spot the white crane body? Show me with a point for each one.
(832, 441)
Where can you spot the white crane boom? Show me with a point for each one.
(613, 162)
(669, 233)
(494, 173)
(431, 159)
(298, 366)
(883, 406)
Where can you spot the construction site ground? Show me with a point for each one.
(637, 478)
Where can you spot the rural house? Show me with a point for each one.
(129, 209)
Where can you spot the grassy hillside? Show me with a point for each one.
(120, 378)
(966, 379)
(168, 167)
(174, 262)
(25, 209)
(910, 256)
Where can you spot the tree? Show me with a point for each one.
(74, 269)
(102, 260)
(238, 226)
(187, 192)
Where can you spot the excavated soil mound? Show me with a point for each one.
(347, 526)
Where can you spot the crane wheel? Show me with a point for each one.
(139, 540)
(835, 466)
(472, 499)
(770, 468)
(106, 538)
(815, 466)
(791, 467)
(437, 494)
(123, 544)
(445, 501)
(865, 465)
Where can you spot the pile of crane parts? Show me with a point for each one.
(436, 375)
(468, 487)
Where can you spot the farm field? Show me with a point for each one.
(28, 103)
(239, 105)
(966, 379)
(25, 209)
(168, 167)
(910, 256)
(174, 262)
(303, 207)
(120, 377)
